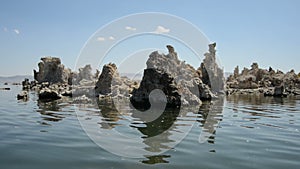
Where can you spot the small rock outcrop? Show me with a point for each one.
(23, 96)
(26, 84)
(51, 70)
(48, 94)
(111, 84)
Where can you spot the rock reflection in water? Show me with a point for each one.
(211, 116)
(157, 133)
(161, 124)
(259, 99)
(134, 137)
(156, 159)
(51, 111)
(260, 111)
(109, 113)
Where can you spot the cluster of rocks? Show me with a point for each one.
(179, 81)
(51, 70)
(53, 81)
(110, 83)
(266, 81)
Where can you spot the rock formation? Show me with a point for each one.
(110, 83)
(83, 76)
(48, 94)
(23, 96)
(268, 81)
(212, 74)
(179, 81)
(156, 79)
(104, 83)
(51, 70)
(236, 72)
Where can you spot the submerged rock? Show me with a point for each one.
(48, 94)
(278, 91)
(23, 96)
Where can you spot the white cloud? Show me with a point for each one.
(111, 38)
(100, 38)
(16, 31)
(130, 28)
(161, 29)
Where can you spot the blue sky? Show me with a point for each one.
(263, 31)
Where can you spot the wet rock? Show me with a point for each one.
(4, 88)
(16, 84)
(23, 96)
(51, 70)
(67, 93)
(82, 100)
(26, 84)
(279, 91)
(296, 91)
(48, 94)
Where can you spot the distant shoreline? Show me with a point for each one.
(15, 78)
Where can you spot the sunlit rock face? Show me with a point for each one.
(84, 75)
(51, 70)
(267, 81)
(212, 74)
(112, 84)
(104, 83)
(181, 83)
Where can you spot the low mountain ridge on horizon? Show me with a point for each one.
(15, 78)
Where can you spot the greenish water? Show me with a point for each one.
(248, 132)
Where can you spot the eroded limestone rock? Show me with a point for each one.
(51, 70)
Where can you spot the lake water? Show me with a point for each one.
(243, 132)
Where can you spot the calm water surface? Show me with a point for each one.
(248, 132)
